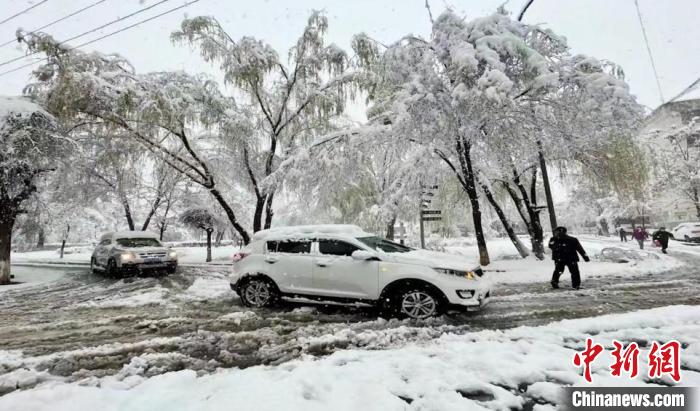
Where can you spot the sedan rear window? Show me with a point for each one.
(138, 242)
(289, 246)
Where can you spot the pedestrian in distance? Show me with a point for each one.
(662, 236)
(623, 234)
(565, 252)
(640, 235)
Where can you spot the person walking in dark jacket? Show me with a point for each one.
(623, 234)
(662, 236)
(565, 251)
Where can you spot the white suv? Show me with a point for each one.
(687, 232)
(342, 264)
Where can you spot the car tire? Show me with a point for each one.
(687, 239)
(112, 269)
(171, 269)
(258, 292)
(418, 303)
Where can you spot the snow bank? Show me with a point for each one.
(520, 367)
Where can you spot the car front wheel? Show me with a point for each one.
(258, 292)
(418, 304)
(112, 269)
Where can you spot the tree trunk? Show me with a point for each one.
(269, 213)
(231, 215)
(151, 213)
(65, 237)
(6, 224)
(547, 189)
(219, 237)
(696, 196)
(41, 238)
(469, 185)
(258, 213)
(127, 214)
(536, 235)
(504, 221)
(209, 245)
(162, 229)
(390, 228)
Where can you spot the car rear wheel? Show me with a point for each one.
(418, 303)
(687, 239)
(258, 292)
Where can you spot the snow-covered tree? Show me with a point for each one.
(287, 102)
(30, 147)
(161, 111)
(677, 163)
(201, 219)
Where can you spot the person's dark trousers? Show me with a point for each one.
(573, 269)
(641, 244)
(664, 246)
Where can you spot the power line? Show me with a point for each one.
(57, 21)
(23, 11)
(651, 57)
(90, 31)
(106, 35)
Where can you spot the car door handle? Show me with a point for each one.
(271, 260)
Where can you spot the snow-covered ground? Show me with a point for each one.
(492, 369)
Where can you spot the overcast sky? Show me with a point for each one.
(606, 29)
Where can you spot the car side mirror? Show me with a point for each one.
(364, 255)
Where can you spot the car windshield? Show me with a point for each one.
(138, 242)
(381, 244)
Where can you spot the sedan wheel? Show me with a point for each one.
(258, 293)
(418, 304)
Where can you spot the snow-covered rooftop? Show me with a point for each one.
(308, 231)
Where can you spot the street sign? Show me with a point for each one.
(426, 212)
(432, 218)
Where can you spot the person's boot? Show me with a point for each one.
(554, 285)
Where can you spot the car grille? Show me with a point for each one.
(156, 254)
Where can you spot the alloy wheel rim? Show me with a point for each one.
(257, 293)
(418, 304)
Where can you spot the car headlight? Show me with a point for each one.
(127, 257)
(469, 275)
(172, 254)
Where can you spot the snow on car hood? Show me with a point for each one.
(433, 259)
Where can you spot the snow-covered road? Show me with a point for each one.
(85, 326)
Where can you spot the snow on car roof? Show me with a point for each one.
(308, 231)
(130, 234)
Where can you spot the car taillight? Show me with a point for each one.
(239, 256)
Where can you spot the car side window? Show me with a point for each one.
(336, 247)
(105, 242)
(289, 246)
